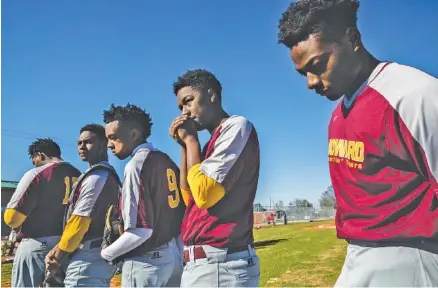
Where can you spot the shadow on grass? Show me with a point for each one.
(266, 243)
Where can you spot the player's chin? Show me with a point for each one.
(121, 156)
(198, 125)
(332, 96)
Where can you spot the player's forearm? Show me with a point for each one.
(193, 151)
(13, 218)
(129, 240)
(59, 254)
(74, 232)
(205, 190)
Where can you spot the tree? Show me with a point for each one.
(306, 203)
(279, 205)
(302, 203)
(328, 198)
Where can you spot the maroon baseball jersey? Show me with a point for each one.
(42, 195)
(383, 157)
(232, 158)
(151, 197)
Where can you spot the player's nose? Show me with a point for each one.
(185, 111)
(313, 81)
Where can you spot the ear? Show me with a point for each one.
(354, 38)
(135, 134)
(43, 156)
(213, 96)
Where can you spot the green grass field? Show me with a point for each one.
(294, 255)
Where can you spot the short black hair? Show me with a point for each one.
(97, 129)
(306, 17)
(198, 79)
(46, 146)
(129, 114)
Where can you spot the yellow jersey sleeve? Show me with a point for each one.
(13, 218)
(74, 232)
(205, 191)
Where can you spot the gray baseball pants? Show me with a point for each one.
(157, 268)
(28, 268)
(373, 265)
(220, 269)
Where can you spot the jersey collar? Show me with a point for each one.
(144, 146)
(347, 102)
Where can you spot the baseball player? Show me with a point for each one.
(151, 204)
(37, 206)
(218, 184)
(95, 190)
(383, 146)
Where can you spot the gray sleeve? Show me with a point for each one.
(131, 190)
(90, 189)
(227, 148)
(22, 189)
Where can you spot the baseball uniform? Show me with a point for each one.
(219, 240)
(96, 189)
(383, 157)
(151, 199)
(41, 196)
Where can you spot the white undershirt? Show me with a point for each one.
(129, 240)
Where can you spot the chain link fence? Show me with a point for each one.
(263, 215)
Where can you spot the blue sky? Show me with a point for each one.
(64, 62)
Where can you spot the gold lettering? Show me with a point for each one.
(359, 155)
(350, 151)
(340, 148)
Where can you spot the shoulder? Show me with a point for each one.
(59, 168)
(136, 163)
(237, 122)
(98, 174)
(398, 82)
(42, 171)
(31, 175)
(96, 178)
(35, 175)
(236, 126)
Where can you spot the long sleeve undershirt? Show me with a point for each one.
(129, 240)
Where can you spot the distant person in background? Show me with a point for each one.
(95, 190)
(38, 206)
(383, 146)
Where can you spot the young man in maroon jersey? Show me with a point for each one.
(383, 146)
(218, 184)
(151, 204)
(38, 206)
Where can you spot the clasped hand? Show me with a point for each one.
(182, 129)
